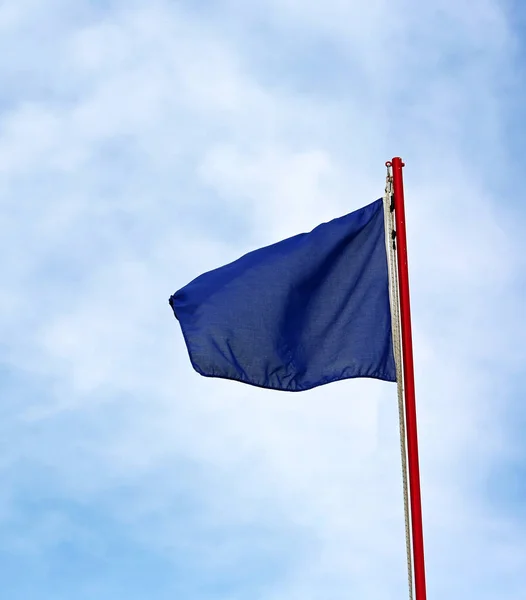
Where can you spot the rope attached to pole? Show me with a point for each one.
(397, 346)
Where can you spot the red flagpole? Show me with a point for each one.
(409, 383)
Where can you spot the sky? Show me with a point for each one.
(142, 143)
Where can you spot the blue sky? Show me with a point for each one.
(142, 143)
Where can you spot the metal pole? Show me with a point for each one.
(409, 383)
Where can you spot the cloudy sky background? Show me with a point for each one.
(142, 143)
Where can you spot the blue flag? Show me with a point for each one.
(304, 312)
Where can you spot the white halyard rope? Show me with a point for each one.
(397, 346)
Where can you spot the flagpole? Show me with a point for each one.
(409, 382)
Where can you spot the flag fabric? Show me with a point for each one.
(306, 311)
